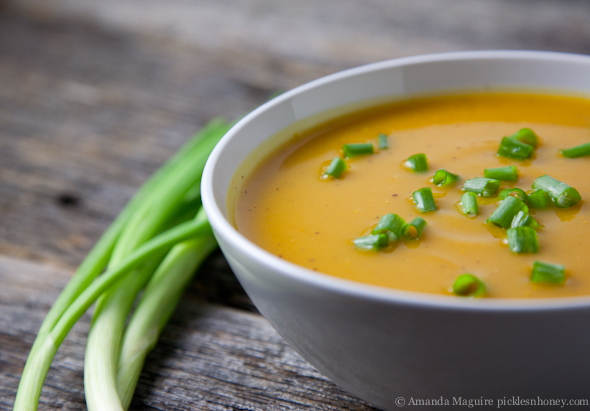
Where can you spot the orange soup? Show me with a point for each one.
(288, 206)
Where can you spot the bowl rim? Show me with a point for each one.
(223, 228)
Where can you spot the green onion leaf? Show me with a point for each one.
(414, 229)
(524, 219)
(511, 147)
(383, 142)
(548, 273)
(372, 242)
(444, 178)
(505, 213)
(391, 225)
(357, 149)
(336, 167)
(523, 240)
(469, 203)
(486, 187)
(417, 163)
(424, 200)
(527, 136)
(578, 151)
(562, 195)
(539, 200)
(513, 192)
(509, 173)
(468, 285)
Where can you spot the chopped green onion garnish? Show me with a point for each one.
(336, 167)
(523, 240)
(417, 163)
(539, 199)
(524, 219)
(511, 147)
(383, 142)
(513, 192)
(424, 200)
(486, 187)
(414, 229)
(578, 151)
(443, 178)
(562, 195)
(505, 213)
(469, 203)
(468, 285)
(372, 241)
(527, 136)
(391, 225)
(509, 173)
(357, 149)
(548, 273)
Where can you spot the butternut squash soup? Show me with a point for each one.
(478, 195)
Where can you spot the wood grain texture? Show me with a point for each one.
(209, 357)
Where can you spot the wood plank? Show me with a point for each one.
(209, 357)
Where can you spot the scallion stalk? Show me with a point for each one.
(391, 225)
(548, 273)
(336, 168)
(469, 204)
(506, 211)
(509, 173)
(539, 200)
(523, 240)
(372, 242)
(383, 142)
(485, 187)
(417, 163)
(562, 194)
(424, 200)
(468, 285)
(527, 136)
(511, 147)
(513, 192)
(578, 151)
(357, 149)
(524, 219)
(444, 178)
(413, 230)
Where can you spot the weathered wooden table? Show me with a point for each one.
(94, 96)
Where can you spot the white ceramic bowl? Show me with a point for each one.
(381, 344)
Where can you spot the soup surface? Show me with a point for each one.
(287, 208)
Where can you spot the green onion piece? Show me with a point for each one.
(509, 173)
(336, 167)
(548, 273)
(562, 195)
(539, 199)
(414, 229)
(511, 147)
(523, 240)
(357, 149)
(513, 192)
(527, 136)
(383, 142)
(504, 214)
(468, 285)
(372, 241)
(417, 163)
(485, 187)
(391, 225)
(577, 151)
(469, 203)
(443, 178)
(524, 219)
(424, 200)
